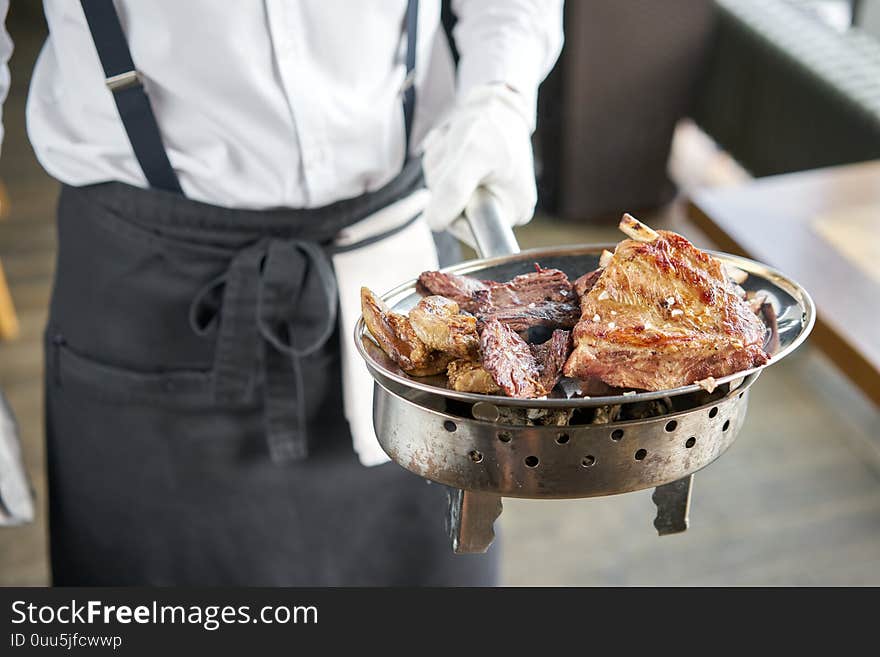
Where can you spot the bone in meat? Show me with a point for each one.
(663, 314)
(636, 230)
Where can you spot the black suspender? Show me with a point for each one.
(409, 89)
(128, 92)
(134, 105)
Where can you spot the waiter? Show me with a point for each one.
(232, 174)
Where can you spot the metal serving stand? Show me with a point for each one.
(486, 447)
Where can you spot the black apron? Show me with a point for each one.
(195, 428)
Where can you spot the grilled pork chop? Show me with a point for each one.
(663, 314)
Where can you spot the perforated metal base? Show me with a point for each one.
(484, 460)
(547, 462)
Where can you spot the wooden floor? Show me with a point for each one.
(795, 501)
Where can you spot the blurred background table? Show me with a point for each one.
(821, 227)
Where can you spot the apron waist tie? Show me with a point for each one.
(277, 295)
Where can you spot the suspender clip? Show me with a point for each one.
(122, 81)
(408, 82)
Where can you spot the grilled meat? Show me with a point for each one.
(542, 298)
(661, 315)
(438, 322)
(460, 289)
(470, 376)
(507, 357)
(394, 333)
(547, 314)
(534, 287)
(551, 357)
(520, 369)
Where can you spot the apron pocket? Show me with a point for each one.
(183, 389)
(110, 383)
(169, 419)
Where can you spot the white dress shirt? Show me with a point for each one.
(277, 102)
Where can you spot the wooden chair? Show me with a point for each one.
(9, 327)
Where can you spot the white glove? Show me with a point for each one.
(485, 141)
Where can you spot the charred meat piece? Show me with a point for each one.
(663, 314)
(551, 357)
(510, 361)
(396, 336)
(548, 313)
(460, 289)
(521, 369)
(439, 323)
(535, 287)
(544, 297)
(469, 376)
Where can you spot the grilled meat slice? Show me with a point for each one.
(460, 289)
(396, 336)
(469, 376)
(438, 322)
(535, 287)
(510, 361)
(544, 297)
(661, 315)
(548, 313)
(521, 369)
(551, 357)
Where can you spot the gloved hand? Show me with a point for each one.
(486, 141)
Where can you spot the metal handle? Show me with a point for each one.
(493, 236)
(472, 514)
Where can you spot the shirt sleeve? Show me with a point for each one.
(5, 53)
(514, 42)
